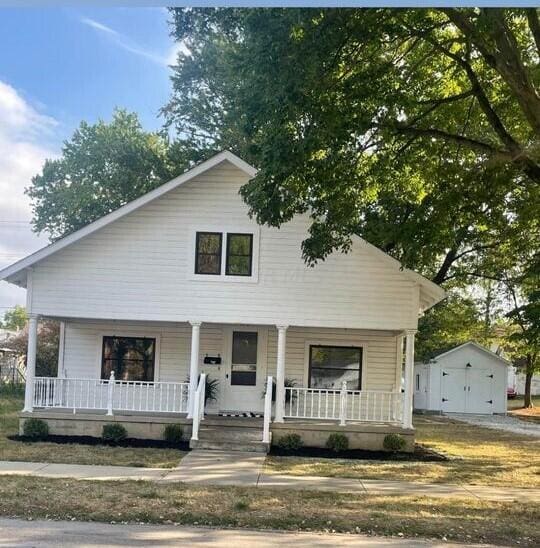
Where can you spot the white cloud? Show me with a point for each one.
(178, 47)
(126, 43)
(23, 134)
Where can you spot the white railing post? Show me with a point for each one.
(198, 407)
(343, 402)
(110, 394)
(267, 409)
(30, 363)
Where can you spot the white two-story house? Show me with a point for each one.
(180, 288)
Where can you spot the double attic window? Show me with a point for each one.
(209, 250)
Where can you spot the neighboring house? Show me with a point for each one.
(182, 283)
(466, 379)
(516, 382)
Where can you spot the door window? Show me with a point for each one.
(244, 358)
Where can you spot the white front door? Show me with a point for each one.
(245, 369)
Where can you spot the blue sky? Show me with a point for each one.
(60, 66)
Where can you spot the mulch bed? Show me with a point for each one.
(420, 454)
(91, 440)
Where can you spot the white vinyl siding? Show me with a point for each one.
(138, 268)
(83, 340)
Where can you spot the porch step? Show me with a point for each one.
(227, 437)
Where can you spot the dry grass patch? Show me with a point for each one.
(478, 456)
(74, 453)
(128, 501)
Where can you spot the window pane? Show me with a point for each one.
(239, 254)
(327, 378)
(335, 356)
(240, 244)
(239, 266)
(208, 264)
(244, 349)
(131, 358)
(209, 242)
(244, 375)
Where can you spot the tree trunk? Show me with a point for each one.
(528, 403)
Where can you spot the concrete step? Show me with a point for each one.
(230, 434)
(229, 445)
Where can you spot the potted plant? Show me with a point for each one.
(289, 383)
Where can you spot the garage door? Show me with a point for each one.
(466, 390)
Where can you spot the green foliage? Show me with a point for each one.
(211, 389)
(15, 318)
(337, 442)
(453, 322)
(47, 347)
(396, 125)
(36, 429)
(394, 442)
(114, 433)
(288, 383)
(173, 433)
(290, 442)
(102, 167)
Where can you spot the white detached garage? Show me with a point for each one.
(466, 379)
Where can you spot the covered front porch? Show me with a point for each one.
(267, 375)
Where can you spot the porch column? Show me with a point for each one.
(30, 363)
(409, 378)
(194, 365)
(280, 373)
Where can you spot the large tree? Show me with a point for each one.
(102, 167)
(417, 129)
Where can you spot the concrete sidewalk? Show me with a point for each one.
(247, 470)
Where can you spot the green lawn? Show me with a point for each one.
(73, 453)
(478, 456)
(465, 520)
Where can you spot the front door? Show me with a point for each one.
(245, 370)
(453, 389)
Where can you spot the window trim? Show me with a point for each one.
(228, 254)
(220, 254)
(360, 344)
(136, 335)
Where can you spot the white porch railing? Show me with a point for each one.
(198, 406)
(343, 405)
(267, 409)
(110, 395)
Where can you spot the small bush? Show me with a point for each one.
(337, 442)
(394, 442)
(241, 505)
(36, 429)
(114, 433)
(290, 442)
(173, 433)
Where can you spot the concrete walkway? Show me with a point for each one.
(247, 470)
(50, 534)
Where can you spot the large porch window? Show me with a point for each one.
(329, 366)
(131, 358)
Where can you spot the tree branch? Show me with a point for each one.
(534, 25)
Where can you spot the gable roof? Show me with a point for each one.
(13, 271)
(430, 293)
(477, 346)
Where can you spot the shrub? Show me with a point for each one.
(173, 433)
(36, 429)
(290, 442)
(337, 442)
(394, 442)
(114, 433)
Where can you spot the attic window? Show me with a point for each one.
(208, 253)
(239, 254)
